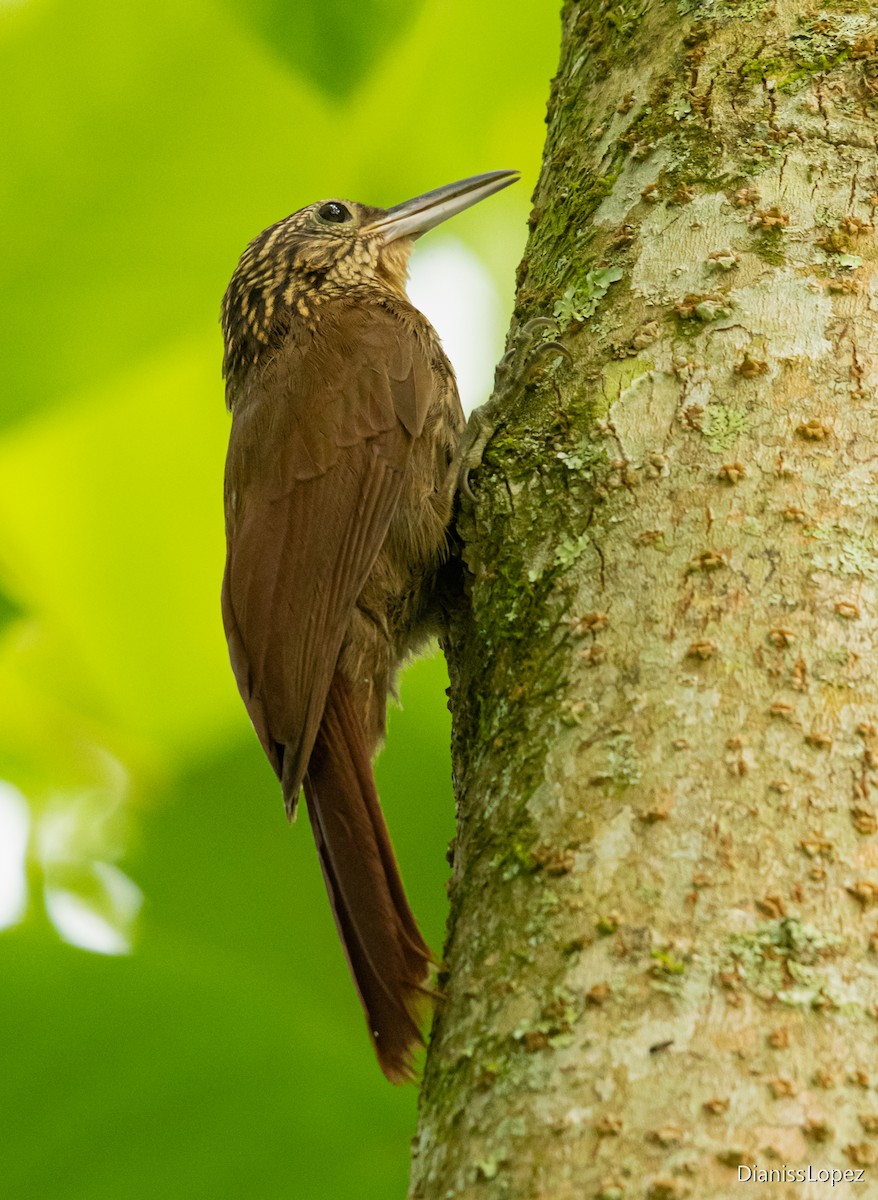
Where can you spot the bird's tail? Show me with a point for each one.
(388, 958)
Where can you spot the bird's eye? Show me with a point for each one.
(335, 212)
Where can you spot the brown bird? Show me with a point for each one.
(339, 484)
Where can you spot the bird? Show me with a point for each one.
(338, 492)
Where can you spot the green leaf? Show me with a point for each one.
(174, 1074)
(10, 610)
(210, 1059)
(335, 44)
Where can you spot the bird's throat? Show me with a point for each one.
(393, 265)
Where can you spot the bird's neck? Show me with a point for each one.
(299, 312)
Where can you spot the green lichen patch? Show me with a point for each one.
(762, 67)
(516, 859)
(769, 245)
(846, 552)
(569, 550)
(579, 302)
(821, 43)
(719, 10)
(487, 1168)
(621, 766)
(781, 960)
(722, 427)
(694, 154)
(667, 972)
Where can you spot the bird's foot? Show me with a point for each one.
(480, 428)
(512, 373)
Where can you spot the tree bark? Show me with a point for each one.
(661, 958)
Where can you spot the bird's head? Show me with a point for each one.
(329, 249)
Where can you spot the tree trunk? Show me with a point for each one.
(661, 955)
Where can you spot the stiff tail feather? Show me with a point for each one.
(387, 956)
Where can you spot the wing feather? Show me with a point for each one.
(318, 451)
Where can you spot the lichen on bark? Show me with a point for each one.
(661, 958)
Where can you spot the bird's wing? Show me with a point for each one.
(320, 440)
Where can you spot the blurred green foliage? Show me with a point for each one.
(226, 1055)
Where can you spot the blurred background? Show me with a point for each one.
(176, 1019)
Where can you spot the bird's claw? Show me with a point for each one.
(535, 324)
(480, 428)
(546, 350)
